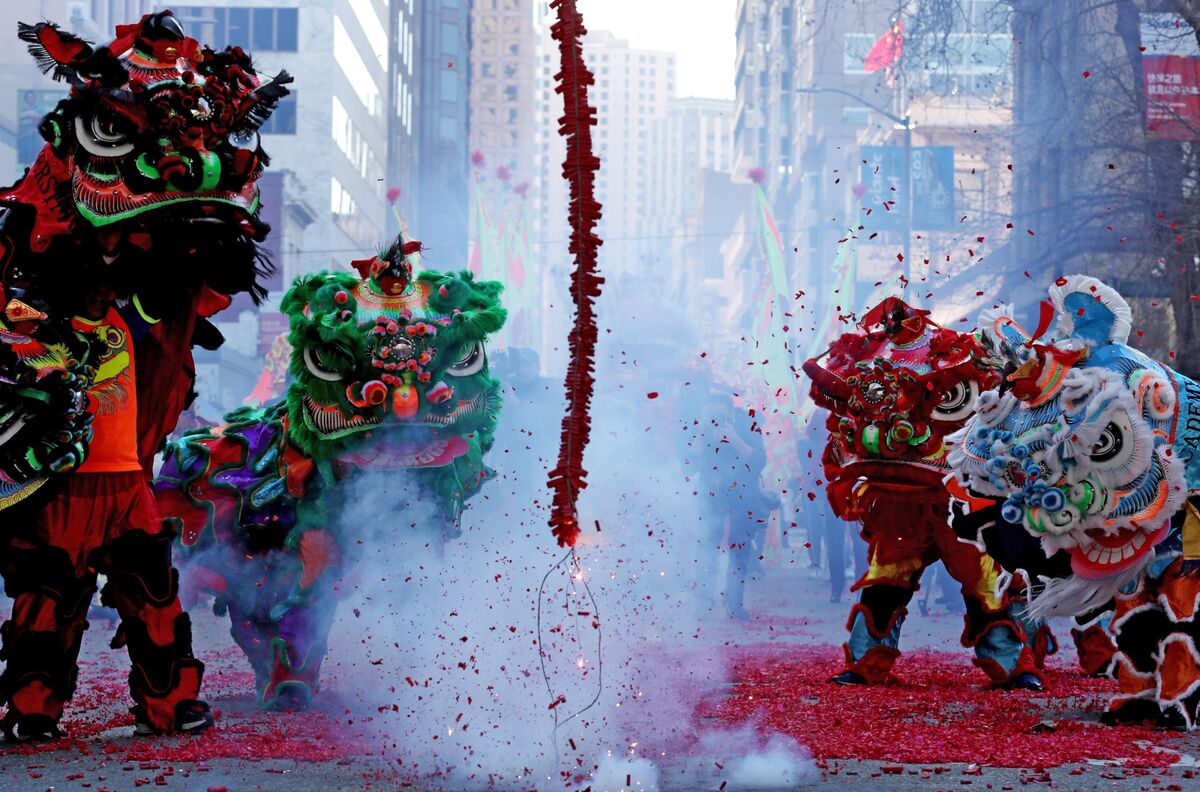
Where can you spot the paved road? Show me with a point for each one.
(792, 608)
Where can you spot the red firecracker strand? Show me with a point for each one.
(568, 477)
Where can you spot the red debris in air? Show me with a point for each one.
(941, 712)
(579, 168)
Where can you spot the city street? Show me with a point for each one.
(938, 730)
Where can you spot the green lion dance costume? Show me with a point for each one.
(390, 391)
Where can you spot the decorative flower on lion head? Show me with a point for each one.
(894, 390)
(1087, 441)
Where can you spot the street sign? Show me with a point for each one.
(933, 188)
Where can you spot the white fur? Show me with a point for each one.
(1073, 595)
(1108, 296)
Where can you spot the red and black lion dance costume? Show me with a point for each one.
(894, 390)
(136, 222)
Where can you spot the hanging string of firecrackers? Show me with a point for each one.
(568, 477)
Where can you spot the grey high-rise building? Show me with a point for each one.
(438, 214)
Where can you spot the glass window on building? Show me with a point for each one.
(263, 27)
(450, 38)
(258, 29)
(238, 25)
(287, 29)
(449, 91)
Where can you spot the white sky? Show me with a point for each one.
(699, 32)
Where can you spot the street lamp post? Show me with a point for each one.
(905, 122)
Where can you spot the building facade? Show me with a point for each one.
(632, 90)
(437, 212)
(503, 85)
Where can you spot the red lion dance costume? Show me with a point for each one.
(894, 390)
(137, 221)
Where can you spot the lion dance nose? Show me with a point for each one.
(405, 401)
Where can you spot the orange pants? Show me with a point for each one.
(95, 523)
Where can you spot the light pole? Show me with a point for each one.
(904, 121)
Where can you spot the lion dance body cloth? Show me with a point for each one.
(390, 391)
(136, 222)
(894, 390)
(1093, 449)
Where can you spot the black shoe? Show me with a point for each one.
(1024, 681)
(1135, 711)
(848, 678)
(191, 717)
(32, 728)
(1172, 719)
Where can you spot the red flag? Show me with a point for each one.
(887, 50)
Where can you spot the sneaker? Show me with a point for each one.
(191, 717)
(33, 728)
(849, 678)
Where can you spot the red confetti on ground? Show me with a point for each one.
(97, 721)
(940, 712)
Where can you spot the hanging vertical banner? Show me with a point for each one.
(882, 173)
(1170, 77)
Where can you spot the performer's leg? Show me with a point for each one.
(144, 588)
(1138, 625)
(297, 649)
(835, 540)
(896, 559)
(1038, 636)
(46, 575)
(299, 618)
(1177, 672)
(1094, 642)
(1000, 644)
(741, 551)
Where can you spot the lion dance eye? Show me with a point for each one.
(318, 367)
(1115, 446)
(1110, 444)
(102, 134)
(244, 139)
(469, 362)
(958, 402)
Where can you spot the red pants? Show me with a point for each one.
(95, 523)
(904, 538)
